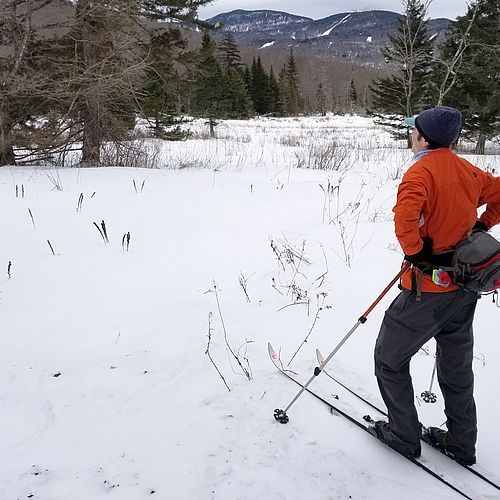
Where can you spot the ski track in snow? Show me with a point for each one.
(106, 388)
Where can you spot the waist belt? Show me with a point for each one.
(439, 261)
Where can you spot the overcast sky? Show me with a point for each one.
(318, 9)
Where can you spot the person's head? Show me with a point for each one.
(434, 128)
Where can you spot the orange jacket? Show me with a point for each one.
(438, 197)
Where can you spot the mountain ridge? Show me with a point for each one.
(356, 35)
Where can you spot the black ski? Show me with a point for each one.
(321, 361)
(439, 475)
(484, 475)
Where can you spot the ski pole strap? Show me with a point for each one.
(419, 285)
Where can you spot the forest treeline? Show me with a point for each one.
(85, 81)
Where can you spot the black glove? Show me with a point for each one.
(480, 226)
(425, 254)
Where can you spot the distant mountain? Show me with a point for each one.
(351, 35)
(264, 21)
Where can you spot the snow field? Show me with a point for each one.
(106, 388)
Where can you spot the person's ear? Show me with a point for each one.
(426, 144)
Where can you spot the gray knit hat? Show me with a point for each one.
(440, 125)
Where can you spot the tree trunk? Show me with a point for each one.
(92, 134)
(7, 156)
(481, 142)
(92, 139)
(211, 123)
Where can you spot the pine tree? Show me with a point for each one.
(235, 102)
(288, 83)
(476, 91)
(235, 99)
(406, 92)
(320, 100)
(230, 52)
(209, 83)
(293, 97)
(259, 89)
(284, 91)
(274, 95)
(160, 102)
(353, 96)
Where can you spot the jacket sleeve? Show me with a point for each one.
(490, 195)
(412, 194)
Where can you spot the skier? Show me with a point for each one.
(436, 207)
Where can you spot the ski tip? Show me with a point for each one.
(271, 352)
(321, 359)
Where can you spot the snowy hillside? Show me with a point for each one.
(107, 385)
(339, 35)
(259, 20)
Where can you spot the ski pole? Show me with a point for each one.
(429, 396)
(280, 415)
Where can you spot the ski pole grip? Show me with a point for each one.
(364, 317)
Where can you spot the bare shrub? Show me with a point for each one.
(136, 154)
(290, 140)
(395, 172)
(198, 160)
(195, 163)
(347, 235)
(245, 139)
(207, 352)
(55, 180)
(203, 135)
(241, 359)
(324, 156)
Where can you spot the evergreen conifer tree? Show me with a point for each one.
(235, 99)
(293, 97)
(230, 52)
(274, 95)
(209, 81)
(259, 87)
(353, 96)
(406, 91)
(284, 91)
(247, 77)
(288, 83)
(160, 102)
(476, 91)
(320, 100)
(235, 95)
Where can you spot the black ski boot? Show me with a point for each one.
(384, 433)
(447, 444)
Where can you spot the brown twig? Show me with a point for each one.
(245, 371)
(320, 308)
(207, 352)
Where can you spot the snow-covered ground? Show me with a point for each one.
(107, 390)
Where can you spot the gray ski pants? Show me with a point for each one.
(406, 327)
